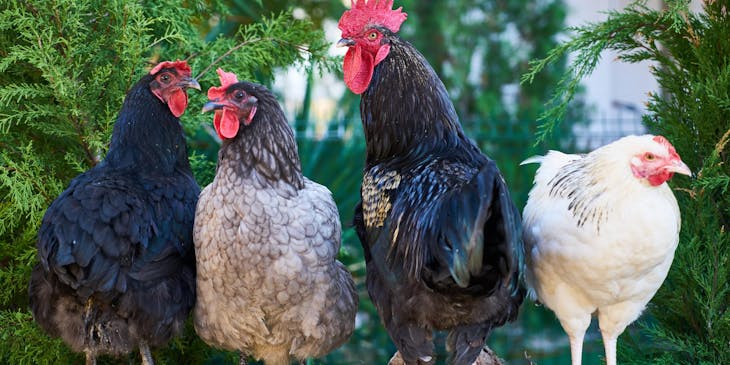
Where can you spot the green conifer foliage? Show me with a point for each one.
(689, 319)
(65, 67)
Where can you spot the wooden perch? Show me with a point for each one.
(486, 357)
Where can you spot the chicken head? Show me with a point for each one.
(170, 84)
(363, 28)
(232, 103)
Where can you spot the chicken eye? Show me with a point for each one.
(649, 156)
(372, 36)
(239, 95)
(165, 78)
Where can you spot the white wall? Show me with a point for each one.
(617, 90)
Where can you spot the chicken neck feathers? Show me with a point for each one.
(147, 138)
(406, 111)
(266, 148)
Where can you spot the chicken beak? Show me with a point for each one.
(345, 42)
(212, 105)
(679, 167)
(189, 82)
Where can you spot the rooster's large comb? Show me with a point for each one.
(227, 79)
(181, 66)
(376, 12)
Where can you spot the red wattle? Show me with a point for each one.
(659, 178)
(226, 124)
(358, 69)
(178, 102)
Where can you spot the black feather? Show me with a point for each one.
(117, 264)
(440, 232)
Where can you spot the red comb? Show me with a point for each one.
(227, 79)
(375, 12)
(664, 142)
(181, 66)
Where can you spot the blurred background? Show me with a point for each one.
(479, 48)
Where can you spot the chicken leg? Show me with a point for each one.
(90, 358)
(466, 342)
(416, 343)
(576, 348)
(610, 346)
(613, 320)
(144, 351)
(576, 327)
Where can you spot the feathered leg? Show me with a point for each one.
(466, 342)
(144, 351)
(90, 358)
(242, 358)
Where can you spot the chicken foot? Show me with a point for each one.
(466, 342)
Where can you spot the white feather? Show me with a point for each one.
(615, 262)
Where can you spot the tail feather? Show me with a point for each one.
(532, 159)
(463, 244)
(481, 241)
(513, 237)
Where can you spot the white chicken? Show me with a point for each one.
(600, 232)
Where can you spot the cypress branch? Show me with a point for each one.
(633, 33)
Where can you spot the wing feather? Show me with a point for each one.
(102, 228)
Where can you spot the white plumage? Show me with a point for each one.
(600, 232)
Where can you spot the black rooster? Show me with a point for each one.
(117, 268)
(441, 235)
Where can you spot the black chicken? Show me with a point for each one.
(117, 268)
(441, 235)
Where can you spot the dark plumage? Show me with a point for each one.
(116, 267)
(441, 235)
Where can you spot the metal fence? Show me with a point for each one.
(585, 135)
